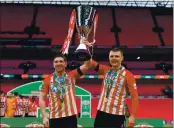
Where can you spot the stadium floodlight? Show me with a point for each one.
(123, 3)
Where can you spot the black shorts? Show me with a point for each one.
(26, 114)
(65, 122)
(31, 116)
(105, 120)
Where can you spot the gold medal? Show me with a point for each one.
(106, 100)
(62, 105)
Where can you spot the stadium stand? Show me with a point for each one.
(166, 22)
(136, 27)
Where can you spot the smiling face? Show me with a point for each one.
(115, 58)
(59, 64)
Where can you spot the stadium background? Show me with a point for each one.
(34, 33)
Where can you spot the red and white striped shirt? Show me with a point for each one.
(19, 106)
(116, 100)
(55, 107)
(2, 105)
(32, 109)
(26, 103)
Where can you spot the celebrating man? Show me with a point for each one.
(116, 84)
(61, 89)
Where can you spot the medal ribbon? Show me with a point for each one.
(109, 81)
(110, 78)
(60, 84)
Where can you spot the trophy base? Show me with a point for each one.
(82, 55)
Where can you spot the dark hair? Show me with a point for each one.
(62, 56)
(117, 50)
(1, 92)
(16, 94)
(33, 97)
(21, 96)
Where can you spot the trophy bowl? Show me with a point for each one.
(82, 54)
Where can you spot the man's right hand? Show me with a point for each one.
(46, 122)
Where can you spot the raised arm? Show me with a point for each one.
(100, 68)
(84, 68)
(76, 73)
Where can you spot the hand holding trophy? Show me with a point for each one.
(86, 19)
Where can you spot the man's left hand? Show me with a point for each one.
(131, 121)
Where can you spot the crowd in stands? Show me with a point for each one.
(15, 105)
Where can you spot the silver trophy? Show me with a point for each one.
(85, 18)
(84, 23)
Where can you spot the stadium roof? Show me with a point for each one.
(121, 3)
